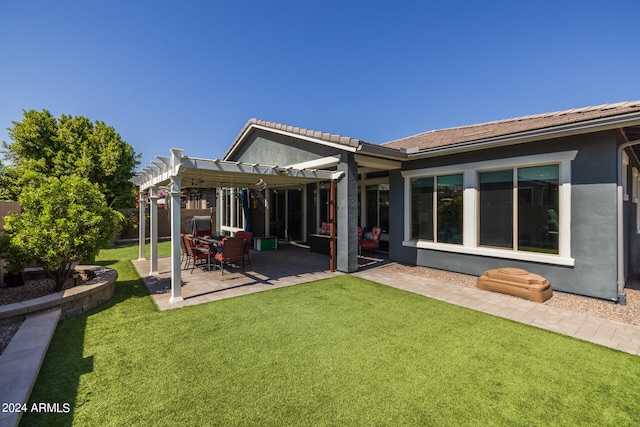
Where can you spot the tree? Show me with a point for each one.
(6, 193)
(70, 145)
(63, 220)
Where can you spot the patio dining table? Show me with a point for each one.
(212, 243)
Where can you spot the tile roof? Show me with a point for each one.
(466, 134)
(323, 136)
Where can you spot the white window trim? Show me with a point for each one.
(229, 223)
(470, 207)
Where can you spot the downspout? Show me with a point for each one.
(622, 297)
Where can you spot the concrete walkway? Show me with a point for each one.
(21, 361)
(617, 335)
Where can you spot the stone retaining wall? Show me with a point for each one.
(73, 302)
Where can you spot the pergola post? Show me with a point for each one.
(175, 192)
(142, 235)
(153, 197)
(176, 277)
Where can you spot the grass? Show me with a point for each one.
(342, 351)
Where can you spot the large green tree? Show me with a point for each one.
(63, 220)
(71, 145)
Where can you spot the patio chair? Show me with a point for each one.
(183, 248)
(247, 236)
(373, 243)
(232, 250)
(194, 253)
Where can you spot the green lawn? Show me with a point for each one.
(341, 351)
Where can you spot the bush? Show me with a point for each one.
(64, 220)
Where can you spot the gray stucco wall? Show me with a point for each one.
(593, 222)
(347, 214)
(268, 148)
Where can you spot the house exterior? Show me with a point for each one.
(555, 194)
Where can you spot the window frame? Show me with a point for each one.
(470, 244)
(435, 204)
(232, 214)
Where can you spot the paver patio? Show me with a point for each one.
(288, 265)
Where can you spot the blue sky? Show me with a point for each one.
(189, 74)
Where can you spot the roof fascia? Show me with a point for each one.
(570, 129)
(377, 162)
(382, 151)
(322, 163)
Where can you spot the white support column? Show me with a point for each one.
(175, 193)
(176, 278)
(234, 205)
(219, 209)
(142, 235)
(153, 196)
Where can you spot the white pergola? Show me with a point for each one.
(173, 170)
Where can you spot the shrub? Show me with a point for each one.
(63, 220)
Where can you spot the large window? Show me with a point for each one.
(233, 213)
(535, 213)
(513, 208)
(538, 208)
(422, 208)
(444, 204)
(450, 209)
(496, 208)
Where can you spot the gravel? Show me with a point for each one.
(6, 333)
(33, 288)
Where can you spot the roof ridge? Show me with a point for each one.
(601, 107)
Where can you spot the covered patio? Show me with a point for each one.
(170, 172)
(267, 271)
